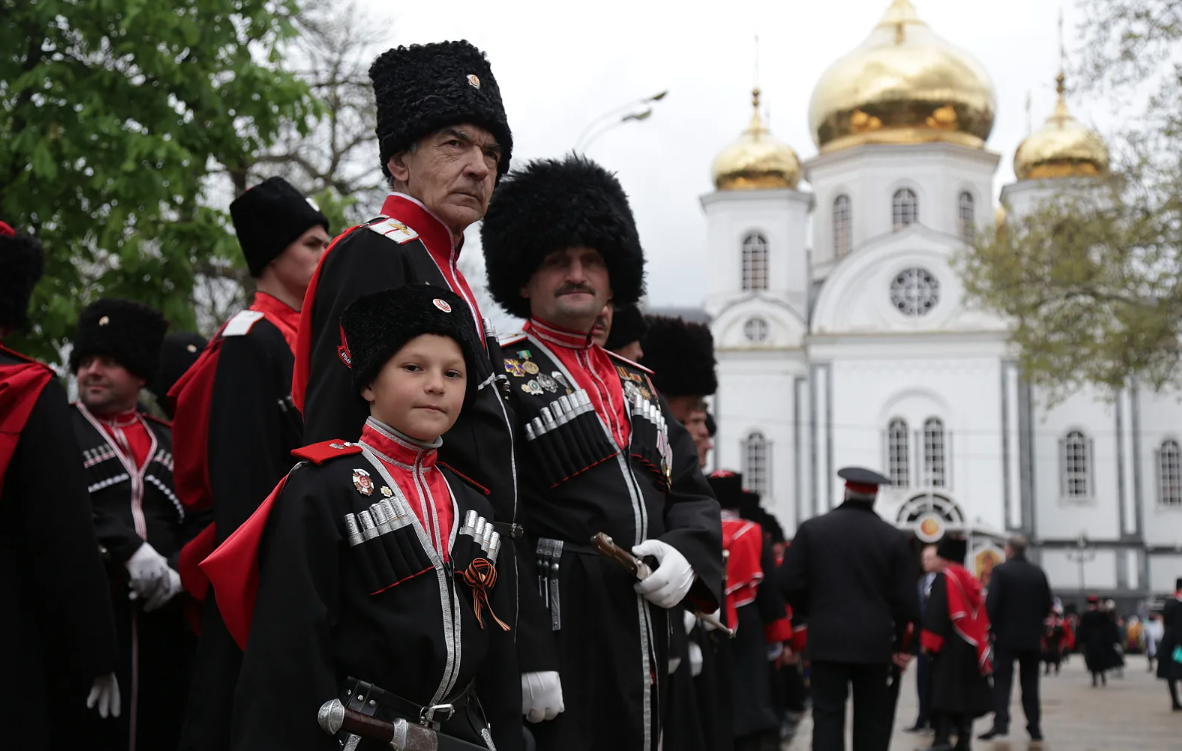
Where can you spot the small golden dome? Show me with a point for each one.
(999, 216)
(756, 161)
(903, 84)
(1062, 147)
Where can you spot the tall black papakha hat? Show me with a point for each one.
(553, 205)
(269, 217)
(954, 549)
(178, 353)
(22, 261)
(379, 324)
(628, 325)
(681, 356)
(425, 87)
(130, 332)
(728, 488)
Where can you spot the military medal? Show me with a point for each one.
(631, 389)
(646, 393)
(530, 367)
(513, 367)
(547, 383)
(531, 388)
(561, 379)
(363, 482)
(387, 492)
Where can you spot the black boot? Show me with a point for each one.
(942, 722)
(964, 734)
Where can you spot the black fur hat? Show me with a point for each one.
(953, 549)
(554, 205)
(269, 217)
(628, 325)
(681, 356)
(179, 351)
(130, 332)
(22, 261)
(425, 87)
(379, 324)
(711, 425)
(728, 487)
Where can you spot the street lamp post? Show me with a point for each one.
(1081, 555)
(616, 117)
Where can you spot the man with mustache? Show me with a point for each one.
(444, 142)
(59, 630)
(599, 453)
(140, 522)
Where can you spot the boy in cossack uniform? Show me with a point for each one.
(370, 574)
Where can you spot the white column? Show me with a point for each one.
(1013, 458)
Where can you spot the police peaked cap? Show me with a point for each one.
(425, 87)
(179, 351)
(377, 325)
(553, 205)
(954, 549)
(681, 356)
(22, 261)
(268, 218)
(628, 325)
(862, 480)
(727, 487)
(129, 332)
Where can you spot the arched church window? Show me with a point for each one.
(755, 329)
(1169, 474)
(1075, 465)
(841, 226)
(754, 262)
(965, 215)
(904, 208)
(898, 453)
(756, 462)
(935, 465)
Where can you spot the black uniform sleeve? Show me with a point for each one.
(288, 667)
(693, 519)
(905, 598)
(793, 574)
(66, 572)
(935, 617)
(498, 681)
(994, 598)
(361, 263)
(116, 538)
(245, 430)
(768, 599)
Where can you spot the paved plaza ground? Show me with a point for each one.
(1132, 714)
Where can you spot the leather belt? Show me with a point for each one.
(368, 699)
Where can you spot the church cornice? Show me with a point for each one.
(786, 195)
(902, 152)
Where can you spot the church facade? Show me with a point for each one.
(843, 337)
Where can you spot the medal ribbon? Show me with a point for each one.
(481, 576)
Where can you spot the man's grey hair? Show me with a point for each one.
(853, 495)
(1018, 545)
(390, 181)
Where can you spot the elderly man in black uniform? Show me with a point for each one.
(444, 142)
(851, 575)
(58, 639)
(236, 426)
(139, 519)
(600, 453)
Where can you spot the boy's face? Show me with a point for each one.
(420, 390)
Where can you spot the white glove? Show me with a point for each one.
(673, 578)
(149, 572)
(710, 626)
(541, 696)
(774, 651)
(104, 693)
(691, 620)
(170, 589)
(674, 664)
(695, 658)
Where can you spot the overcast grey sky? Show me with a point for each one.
(560, 65)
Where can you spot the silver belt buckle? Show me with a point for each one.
(427, 716)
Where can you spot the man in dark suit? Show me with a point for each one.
(851, 575)
(923, 662)
(1018, 603)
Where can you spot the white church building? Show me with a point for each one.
(843, 338)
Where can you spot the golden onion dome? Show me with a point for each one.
(756, 161)
(999, 216)
(903, 84)
(1062, 147)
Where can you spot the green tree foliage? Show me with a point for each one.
(113, 114)
(1092, 279)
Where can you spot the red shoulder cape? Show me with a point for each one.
(233, 569)
(20, 385)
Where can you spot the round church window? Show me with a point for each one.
(755, 330)
(915, 291)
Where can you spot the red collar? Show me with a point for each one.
(283, 316)
(120, 420)
(559, 337)
(411, 212)
(397, 447)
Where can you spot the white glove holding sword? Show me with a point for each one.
(670, 583)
